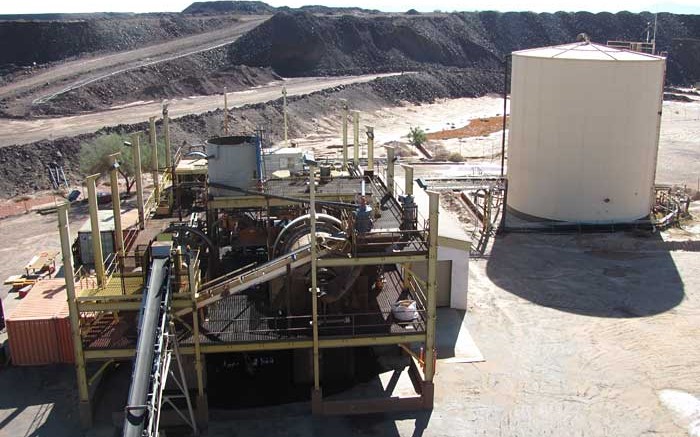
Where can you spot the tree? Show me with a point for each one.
(94, 157)
(455, 157)
(416, 136)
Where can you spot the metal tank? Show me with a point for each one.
(233, 161)
(584, 133)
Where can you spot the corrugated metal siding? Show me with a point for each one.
(38, 329)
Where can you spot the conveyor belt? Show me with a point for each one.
(254, 276)
(149, 350)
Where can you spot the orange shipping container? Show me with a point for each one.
(38, 329)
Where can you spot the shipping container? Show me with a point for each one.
(38, 329)
(106, 224)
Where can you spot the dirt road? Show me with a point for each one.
(27, 131)
(69, 75)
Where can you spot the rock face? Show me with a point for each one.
(25, 42)
(299, 43)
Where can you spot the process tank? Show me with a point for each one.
(232, 161)
(584, 133)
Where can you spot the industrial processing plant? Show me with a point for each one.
(252, 220)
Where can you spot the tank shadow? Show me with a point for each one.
(617, 275)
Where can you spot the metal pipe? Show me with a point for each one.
(97, 259)
(100, 371)
(74, 315)
(433, 219)
(345, 135)
(370, 148)
(116, 206)
(356, 138)
(136, 144)
(314, 285)
(390, 156)
(154, 159)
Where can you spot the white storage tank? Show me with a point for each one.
(233, 161)
(584, 133)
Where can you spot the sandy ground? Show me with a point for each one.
(28, 131)
(72, 74)
(678, 161)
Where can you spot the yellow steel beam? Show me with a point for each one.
(263, 202)
(314, 288)
(324, 343)
(136, 155)
(73, 313)
(85, 307)
(433, 217)
(370, 260)
(96, 237)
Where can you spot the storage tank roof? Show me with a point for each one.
(587, 51)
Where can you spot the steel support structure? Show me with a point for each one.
(154, 158)
(136, 144)
(408, 179)
(116, 206)
(356, 138)
(225, 111)
(430, 345)
(316, 394)
(345, 134)
(68, 269)
(390, 156)
(370, 149)
(263, 202)
(284, 113)
(97, 258)
(169, 164)
(202, 404)
(371, 260)
(217, 348)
